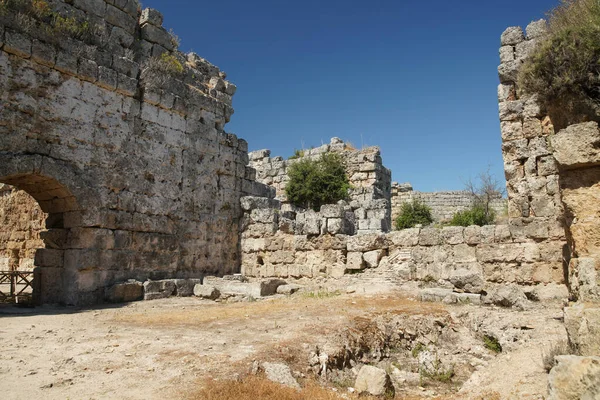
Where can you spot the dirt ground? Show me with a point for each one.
(164, 348)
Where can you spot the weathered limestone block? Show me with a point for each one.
(404, 238)
(264, 215)
(583, 278)
(250, 203)
(512, 36)
(337, 226)
(472, 234)
(536, 29)
(574, 378)
(159, 289)
(206, 292)
(288, 289)
(469, 279)
(355, 261)
(506, 296)
(502, 234)
(582, 322)
(374, 381)
(124, 292)
(511, 110)
(490, 253)
(332, 211)
(368, 242)
(267, 287)
(280, 373)
(185, 287)
(453, 234)
(429, 237)
(577, 145)
(372, 258)
(253, 245)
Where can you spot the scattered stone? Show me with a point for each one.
(280, 373)
(124, 292)
(374, 381)
(159, 289)
(288, 289)
(206, 292)
(574, 378)
(506, 296)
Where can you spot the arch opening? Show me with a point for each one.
(33, 238)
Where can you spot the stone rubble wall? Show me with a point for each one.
(21, 221)
(532, 174)
(462, 258)
(443, 204)
(370, 181)
(137, 174)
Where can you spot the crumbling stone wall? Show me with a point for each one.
(120, 139)
(369, 197)
(443, 204)
(464, 258)
(21, 221)
(531, 249)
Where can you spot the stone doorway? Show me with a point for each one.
(21, 222)
(33, 236)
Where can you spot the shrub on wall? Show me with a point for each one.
(412, 214)
(316, 182)
(476, 215)
(564, 70)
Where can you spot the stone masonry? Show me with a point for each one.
(443, 204)
(120, 139)
(531, 249)
(369, 197)
(22, 215)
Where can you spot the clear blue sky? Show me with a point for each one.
(417, 78)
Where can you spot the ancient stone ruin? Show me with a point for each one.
(119, 138)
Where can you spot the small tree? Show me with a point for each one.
(412, 214)
(484, 191)
(316, 182)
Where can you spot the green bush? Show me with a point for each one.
(316, 182)
(564, 69)
(413, 213)
(476, 215)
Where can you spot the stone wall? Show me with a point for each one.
(120, 139)
(464, 258)
(443, 204)
(21, 221)
(370, 181)
(530, 249)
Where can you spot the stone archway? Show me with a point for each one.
(55, 200)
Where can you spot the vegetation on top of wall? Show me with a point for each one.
(484, 191)
(158, 70)
(297, 154)
(564, 70)
(476, 215)
(24, 11)
(315, 182)
(412, 214)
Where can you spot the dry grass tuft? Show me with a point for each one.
(256, 387)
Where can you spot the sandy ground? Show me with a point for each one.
(154, 349)
(158, 349)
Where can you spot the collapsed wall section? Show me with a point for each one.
(369, 196)
(120, 139)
